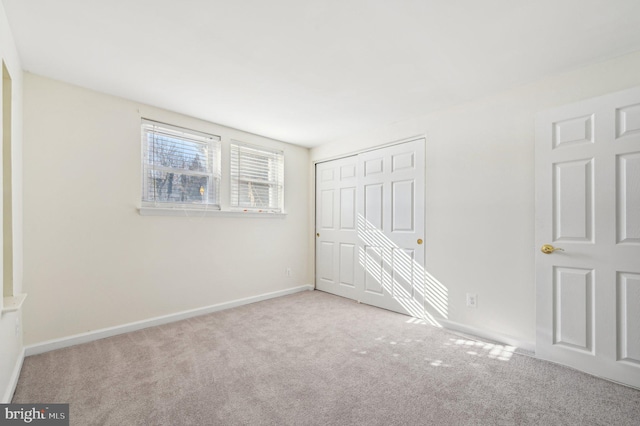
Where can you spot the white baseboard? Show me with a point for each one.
(485, 334)
(13, 381)
(90, 336)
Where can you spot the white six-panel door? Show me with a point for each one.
(588, 207)
(370, 227)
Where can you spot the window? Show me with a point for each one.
(181, 167)
(257, 178)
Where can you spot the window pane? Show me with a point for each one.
(256, 177)
(254, 195)
(175, 153)
(167, 187)
(254, 167)
(180, 167)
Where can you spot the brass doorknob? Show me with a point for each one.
(419, 240)
(318, 234)
(548, 249)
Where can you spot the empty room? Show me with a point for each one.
(360, 212)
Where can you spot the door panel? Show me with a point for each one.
(336, 223)
(402, 273)
(373, 205)
(588, 204)
(325, 264)
(628, 198)
(373, 166)
(629, 317)
(573, 308)
(348, 208)
(374, 270)
(402, 209)
(573, 201)
(326, 216)
(627, 120)
(380, 212)
(347, 264)
(348, 171)
(573, 131)
(326, 175)
(402, 161)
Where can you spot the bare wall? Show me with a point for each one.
(92, 261)
(480, 192)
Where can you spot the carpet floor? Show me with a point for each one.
(314, 359)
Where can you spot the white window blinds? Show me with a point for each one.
(257, 178)
(180, 166)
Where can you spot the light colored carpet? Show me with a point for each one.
(314, 359)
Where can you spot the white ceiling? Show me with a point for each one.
(308, 72)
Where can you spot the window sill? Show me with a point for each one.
(13, 303)
(196, 213)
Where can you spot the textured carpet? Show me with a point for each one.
(314, 359)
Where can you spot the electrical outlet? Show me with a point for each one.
(288, 272)
(472, 300)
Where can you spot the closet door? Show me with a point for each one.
(336, 227)
(370, 227)
(391, 227)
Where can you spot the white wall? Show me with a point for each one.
(11, 348)
(92, 261)
(480, 192)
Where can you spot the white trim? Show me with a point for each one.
(485, 334)
(197, 213)
(102, 333)
(373, 148)
(13, 303)
(179, 129)
(13, 381)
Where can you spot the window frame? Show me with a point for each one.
(274, 184)
(213, 172)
